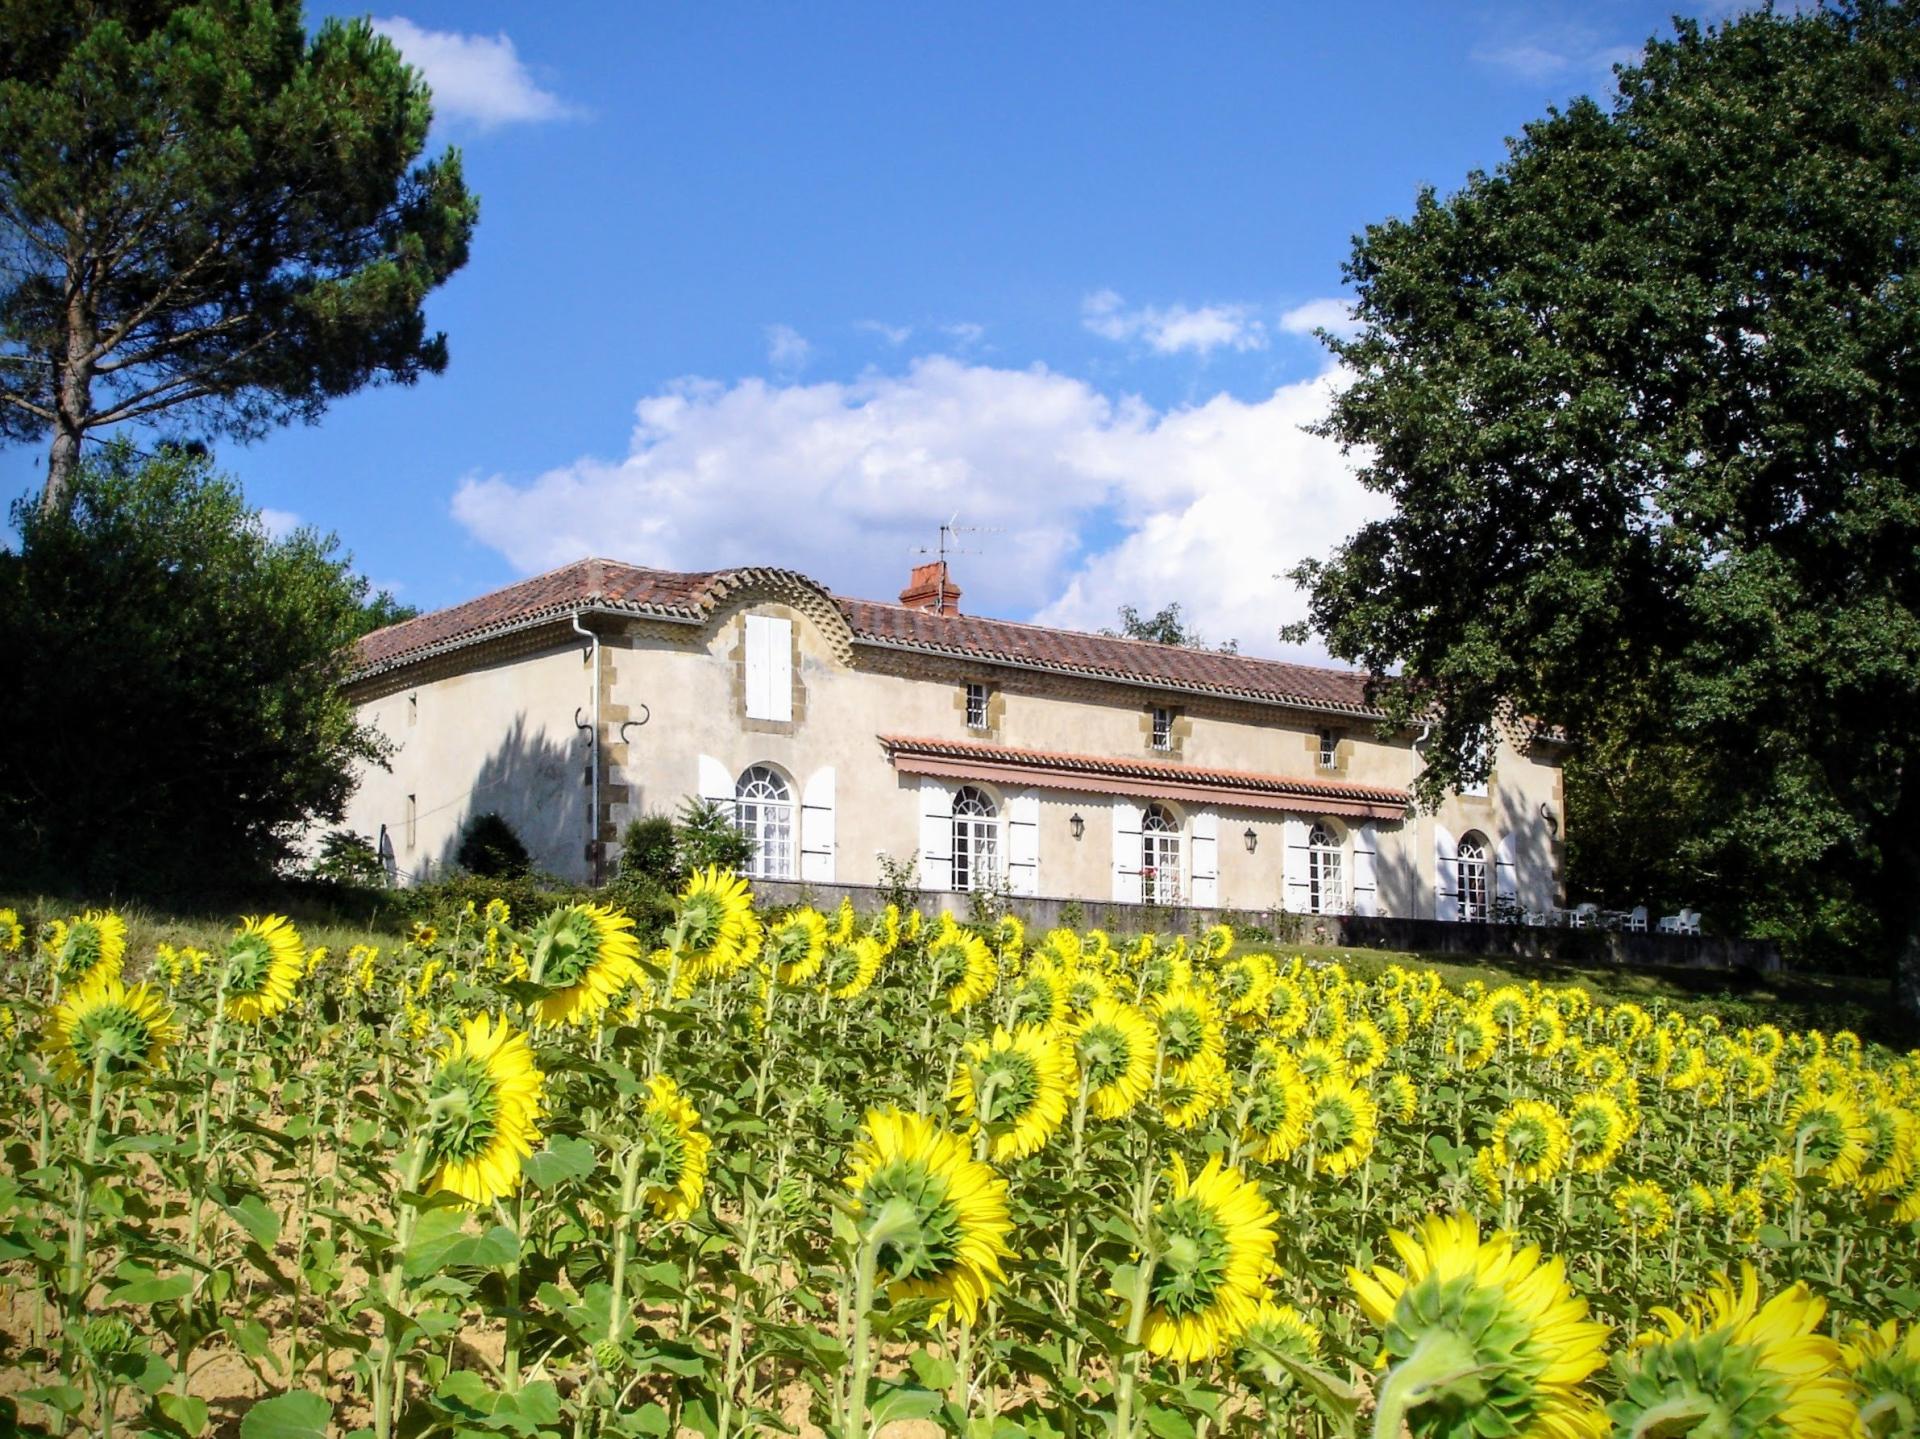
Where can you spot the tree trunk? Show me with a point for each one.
(73, 392)
(1900, 882)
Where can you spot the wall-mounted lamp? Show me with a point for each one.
(1546, 813)
(1252, 839)
(1079, 826)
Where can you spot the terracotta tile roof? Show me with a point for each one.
(608, 585)
(1137, 661)
(1056, 762)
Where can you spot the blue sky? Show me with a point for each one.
(793, 284)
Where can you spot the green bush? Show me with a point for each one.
(648, 848)
(490, 849)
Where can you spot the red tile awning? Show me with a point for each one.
(1146, 779)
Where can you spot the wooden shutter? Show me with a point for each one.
(1299, 872)
(716, 784)
(1205, 850)
(769, 668)
(1023, 842)
(816, 827)
(1506, 880)
(1446, 874)
(936, 836)
(1366, 849)
(1126, 851)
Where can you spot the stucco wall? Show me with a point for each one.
(501, 735)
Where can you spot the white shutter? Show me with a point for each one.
(769, 668)
(1205, 889)
(936, 836)
(1506, 884)
(1446, 874)
(716, 784)
(1023, 842)
(1126, 851)
(1299, 870)
(816, 827)
(1366, 849)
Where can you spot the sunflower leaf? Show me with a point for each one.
(298, 1415)
(563, 1158)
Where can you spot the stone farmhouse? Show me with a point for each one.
(994, 755)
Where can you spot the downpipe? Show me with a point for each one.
(593, 752)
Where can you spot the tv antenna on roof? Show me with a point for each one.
(948, 547)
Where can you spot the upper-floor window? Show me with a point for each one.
(1329, 749)
(1326, 893)
(976, 839)
(1162, 727)
(1159, 856)
(1470, 877)
(769, 667)
(763, 812)
(976, 706)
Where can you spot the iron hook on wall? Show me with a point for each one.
(580, 722)
(645, 714)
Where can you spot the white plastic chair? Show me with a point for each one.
(1690, 921)
(1670, 923)
(1584, 916)
(1637, 919)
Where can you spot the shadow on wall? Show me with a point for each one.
(1396, 875)
(1524, 829)
(537, 785)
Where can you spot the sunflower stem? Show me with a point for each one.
(388, 1374)
(77, 1220)
(1440, 1360)
(894, 1219)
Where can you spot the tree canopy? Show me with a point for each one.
(174, 713)
(206, 211)
(1644, 399)
(1166, 626)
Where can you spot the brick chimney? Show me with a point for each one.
(932, 589)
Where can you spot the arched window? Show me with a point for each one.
(1159, 856)
(1326, 893)
(1471, 877)
(976, 839)
(763, 812)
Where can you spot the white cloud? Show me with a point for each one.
(895, 335)
(964, 332)
(1334, 315)
(479, 79)
(787, 349)
(1097, 500)
(1169, 330)
(279, 523)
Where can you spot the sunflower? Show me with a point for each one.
(1473, 1040)
(1113, 1047)
(1041, 995)
(1597, 1129)
(717, 930)
(849, 969)
(264, 958)
(12, 935)
(1742, 1212)
(1277, 1330)
(483, 1111)
(1084, 986)
(1245, 984)
(844, 921)
(797, 945)
(1530, 1140)
(965, 965)
(1644, 1208)
(1194, 1091)
(1886, 1366)
(1732, 1365)
(1509, 1008)
(1217, 942)
(86, 947)
(1343, 1124)
(1482, 1338)
(1318, 1059)
(582, 955)
(1486, 1178)
(1400, 1097)
(1016, 1086)
(1287, 1007)
(674, 1160)
(1213, 1243)
(1278, 1107)
(1010, 937)
(107, 1026)
(1362, 1048)
(1828, 1137)
(1893, 1143)
(937, 1216)
(1190, 1033)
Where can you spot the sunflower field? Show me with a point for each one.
(779, 1171)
